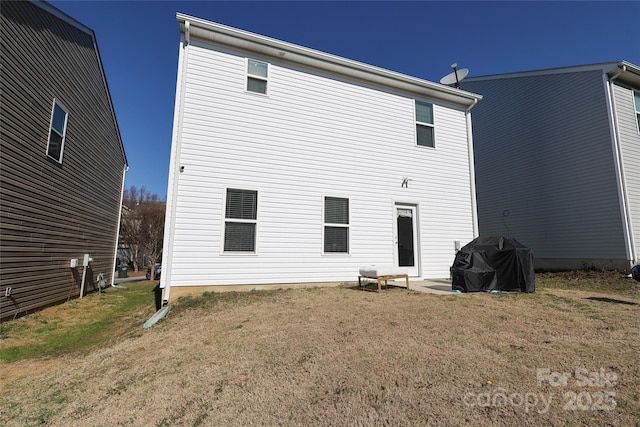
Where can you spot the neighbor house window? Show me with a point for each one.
(240, 220)
(424, 124)
(257, 74)
(57, 131)
(336, 225)
(637, 100)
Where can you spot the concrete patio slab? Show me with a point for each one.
(433, 286)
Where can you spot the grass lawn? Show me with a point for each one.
(565, 355)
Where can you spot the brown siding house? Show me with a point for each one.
(62, 161)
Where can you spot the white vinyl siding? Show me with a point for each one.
(315, 135)
(57, 131)
(257, 76)
(241, 216)
(425, 133)
(336, 225)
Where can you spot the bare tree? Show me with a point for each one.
(151, 214)
(142, 225)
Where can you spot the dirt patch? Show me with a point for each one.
(337, 356)
(25, 368)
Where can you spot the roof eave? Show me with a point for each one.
(630, 75)
(627, 73)
(221, 34)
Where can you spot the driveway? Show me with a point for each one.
(129, 279)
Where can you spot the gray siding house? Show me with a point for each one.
(556, 155)
(62, 161)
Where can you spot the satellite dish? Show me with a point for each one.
(456, 77)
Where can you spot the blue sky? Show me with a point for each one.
(138, 42)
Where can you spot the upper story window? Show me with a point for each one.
(57, 131)
(336, 225)
(636, 96)
(424, 124)
(241, 215)
(257, 76)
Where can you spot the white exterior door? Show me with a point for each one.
(406, 238)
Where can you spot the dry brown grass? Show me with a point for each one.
(337, 356)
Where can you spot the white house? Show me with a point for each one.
(557, 162)
(291, 166)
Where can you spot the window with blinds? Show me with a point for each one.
(241, 215)
(424, 124)
(336, 225)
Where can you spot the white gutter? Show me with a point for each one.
(174, 166)
(115, 254)
(246, 41)
(619, 165)
(472, 171)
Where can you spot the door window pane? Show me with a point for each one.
(405, 238)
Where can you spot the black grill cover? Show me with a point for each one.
(493, 264)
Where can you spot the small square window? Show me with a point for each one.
(257, 76)
(424, 124)
(57, 131)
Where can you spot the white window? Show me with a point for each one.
(57, 131)
(257, 75)
(240, 220)
(336, 225)
(424, 124)
(636, 96)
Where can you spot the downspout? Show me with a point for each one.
(472, 169)
(620, 174)
(175, 167)
(115, 253)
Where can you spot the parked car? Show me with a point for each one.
(156, 275)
